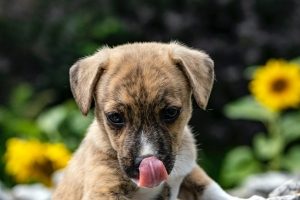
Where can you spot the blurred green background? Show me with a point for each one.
(40, 40)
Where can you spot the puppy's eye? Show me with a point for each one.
(115, 119)
(170, 114)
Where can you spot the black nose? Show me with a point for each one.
(139, 159)
(133, 170)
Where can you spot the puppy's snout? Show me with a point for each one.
(138, 161)
(133, 171)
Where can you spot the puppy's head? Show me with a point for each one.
(142, 94)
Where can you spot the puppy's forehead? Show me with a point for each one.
(143, 77)
(143, 85)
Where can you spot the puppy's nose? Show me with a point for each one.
(139, 159)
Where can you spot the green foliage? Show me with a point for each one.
(27, 115)
(267, 148)
(239, 163)
(64, 123)
(291, 161)
(272, 150)
(248, 109)
(296, 60)
(290, 126)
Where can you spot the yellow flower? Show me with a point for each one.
(31, 160)
(58, 154)
(277, 85)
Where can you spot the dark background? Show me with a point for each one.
(40, 40)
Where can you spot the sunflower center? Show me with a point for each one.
(43, 171)
(279, 85)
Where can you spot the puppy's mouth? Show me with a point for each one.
(152, 172)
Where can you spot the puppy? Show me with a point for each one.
(139, 145)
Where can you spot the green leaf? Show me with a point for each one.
(247, 108)
(49, 121)
(291, 161)
(21, 94)
(22, 127)
(78, 123)
(296, 60)
(20, 97)
(239, 163)
(38, 103)
(267, 148)
(3, 112)
(290, 126)
(75, 126)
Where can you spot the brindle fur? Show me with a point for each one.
(137, 80)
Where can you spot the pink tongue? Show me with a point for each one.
(152, 172)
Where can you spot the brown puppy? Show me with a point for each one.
(139, 145)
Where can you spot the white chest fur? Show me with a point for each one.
(185, 162)
(148, 193)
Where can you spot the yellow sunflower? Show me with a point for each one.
(32, 160)
(277, 85)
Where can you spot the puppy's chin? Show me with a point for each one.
(136, 182)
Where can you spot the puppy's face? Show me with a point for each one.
(144, 106)
(142, 95)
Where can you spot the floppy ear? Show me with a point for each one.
(198, 67)
(84, 75)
